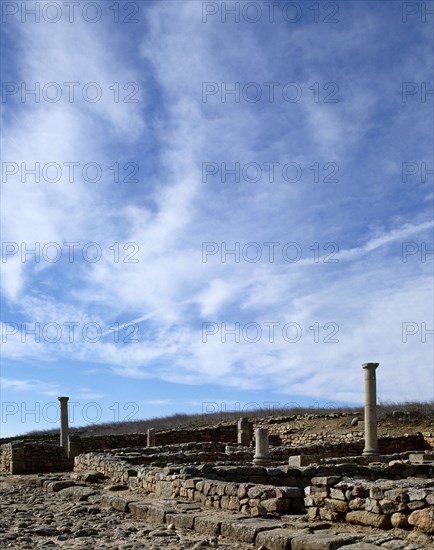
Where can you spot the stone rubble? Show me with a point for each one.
(82, 511)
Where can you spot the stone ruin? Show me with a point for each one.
(251, 479)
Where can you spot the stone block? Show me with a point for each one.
(329, 481)
(230, 489)
(376, 493)
(360, 546)
(314, 491)
(329, 515)
(245, 530)
(76, 493)
(372, 505)
(322, 541)
(391, 506)
(415, 505)
(399, 520)
(313, 513)
(360, 517)
(272, 505)
(416, 494)
(121, 504)
(139, 510)
(420, 458)
(208, 525)
(156, 514)
(298, 461)
(313, 501)
(337, 493)
(181, 521)
(357, 504)
(277, 539)
(335, 505)
(234, 503)
(423, 520)
(243, 490)
(56, 486)
(398, 495)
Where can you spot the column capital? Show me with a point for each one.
(63, 398)
(370, 365)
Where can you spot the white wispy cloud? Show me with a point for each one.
(36, 386)
(368, 294)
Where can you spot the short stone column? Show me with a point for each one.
(75, 446)
(150, 437)
(244, 431)
(262, 452)
(371, 439)
(64, 427)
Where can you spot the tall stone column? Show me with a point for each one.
(371, 439)
(262, 452)
(151, 437)
(64, 437)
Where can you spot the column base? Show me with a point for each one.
(261, 461)
(370, 452)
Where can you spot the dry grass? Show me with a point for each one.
(408, 413)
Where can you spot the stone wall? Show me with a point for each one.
(220, 433)
(5, 457)
(188, 482)
(227, 433)
(247, 488)
(183, 453)
(25, 457)
(339, 445)
(403, 504)
(322, 450)
(318, 446)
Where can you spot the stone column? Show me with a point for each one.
(262, 453)
(244, 431)
(151, 437)
(371, 440)
(64, 438)
(75, 446)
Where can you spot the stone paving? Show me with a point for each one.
(79, 515)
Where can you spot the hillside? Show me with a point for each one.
(393, 419)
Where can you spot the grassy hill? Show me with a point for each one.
(394, 418)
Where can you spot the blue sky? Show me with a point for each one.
(302, 142)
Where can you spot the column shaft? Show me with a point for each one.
(64, 425)
(371, 439)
